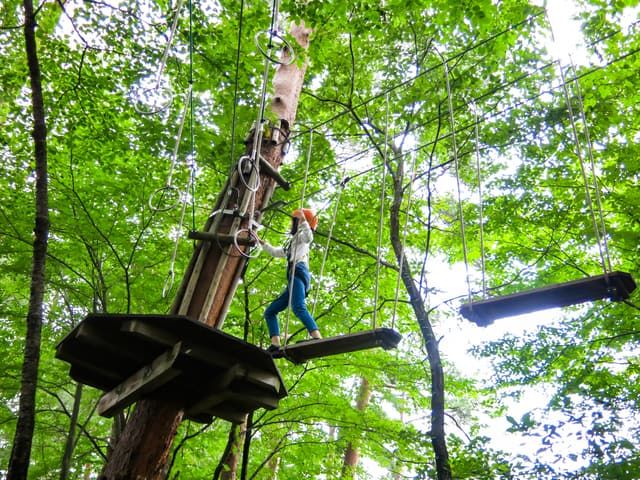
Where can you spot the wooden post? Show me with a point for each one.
(207, 287)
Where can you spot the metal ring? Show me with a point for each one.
(168, 283)
(275, 35)
(148, 101)
(167, 190)
(251, 234)
(241, 173)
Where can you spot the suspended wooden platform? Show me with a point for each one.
(616, 286)
(386, 338)
(210, 373)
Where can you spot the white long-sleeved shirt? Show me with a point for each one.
(298, 248)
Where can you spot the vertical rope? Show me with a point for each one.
(381, 215)
(480, 202)
(596, 186)
(404, 238)
(583, 171)
(191, 130)
(165, 54)
(456, 163)
(600, 235)
(235, 87)
(326, 249)
(293, 267)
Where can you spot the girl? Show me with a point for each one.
(296, 251)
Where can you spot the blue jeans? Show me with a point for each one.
(301, 284)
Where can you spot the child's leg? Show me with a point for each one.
(271, 316)
(299, 307)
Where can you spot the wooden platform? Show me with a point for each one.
(306, 350)
(211, 373)
(614, 286)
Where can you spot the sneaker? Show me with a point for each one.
(273, 349)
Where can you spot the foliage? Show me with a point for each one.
(374, 71)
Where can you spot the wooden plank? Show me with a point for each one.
(145, 380)
(615, 286)
(386, 338)
(222, 238)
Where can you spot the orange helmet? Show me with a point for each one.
(309, 215)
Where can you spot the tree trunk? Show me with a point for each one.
(21, 450)
(352, 453)
(205, 294)
(71, 436)
(228, 467)
(438, 439)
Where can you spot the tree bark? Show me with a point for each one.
(71, 436)
(228, 467)
(438, 439)
(21, 450)
(352, 452)
(205, 294)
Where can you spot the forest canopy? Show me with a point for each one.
(453, 141)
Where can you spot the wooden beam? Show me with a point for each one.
(222, 238)
(386, 338)
(146, 379)
(267, 169)
(615, 286)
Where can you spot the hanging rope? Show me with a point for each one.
(604, 251)
(192, 159)
(381, 216)
(343, 183)
(255, 155)
(583, 170)
(599, 229)
(292, 273)
(259, 127)
(456, 165)
(153, 95)
(168, 189)
(480, 199)
(236, 82)
(404, 239)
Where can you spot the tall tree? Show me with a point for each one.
(143, 448)
(21, 449)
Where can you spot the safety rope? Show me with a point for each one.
(293, 267)
(156, 97)
(168, 188)
(480, 199)
(192, 159)
(583, 171)
(456, 165)
(236, 83)
(604, 249)
(343, 183)
(381, 215)
(599, 229)
(404, 239)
